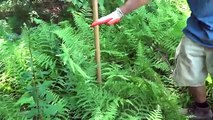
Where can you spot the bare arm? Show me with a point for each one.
(131, 5)
(116, 16)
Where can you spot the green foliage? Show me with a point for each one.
(51, 70)
(78, 4)
(8, 110)
(156, 114)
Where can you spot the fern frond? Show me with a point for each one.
(155, 114)
(8, 111)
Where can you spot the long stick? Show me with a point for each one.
(97, 41)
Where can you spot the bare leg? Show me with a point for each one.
(198, 93)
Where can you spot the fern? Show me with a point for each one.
(8, 110)
(50, 103)
(62, 58)
(155, 114)
(145, 65)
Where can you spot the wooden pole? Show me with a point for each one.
(97, 41)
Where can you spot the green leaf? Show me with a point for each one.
(25, 98)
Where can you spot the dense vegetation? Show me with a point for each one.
(48, 69)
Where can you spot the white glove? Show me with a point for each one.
(110, 19)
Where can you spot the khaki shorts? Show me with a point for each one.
(193, 63)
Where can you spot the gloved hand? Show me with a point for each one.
(110, 19)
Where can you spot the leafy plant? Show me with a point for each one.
(156, 114)
(50, 68)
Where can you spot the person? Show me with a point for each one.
(194, 53)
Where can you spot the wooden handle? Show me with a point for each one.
(97, 41)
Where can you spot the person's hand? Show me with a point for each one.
(110, 19)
